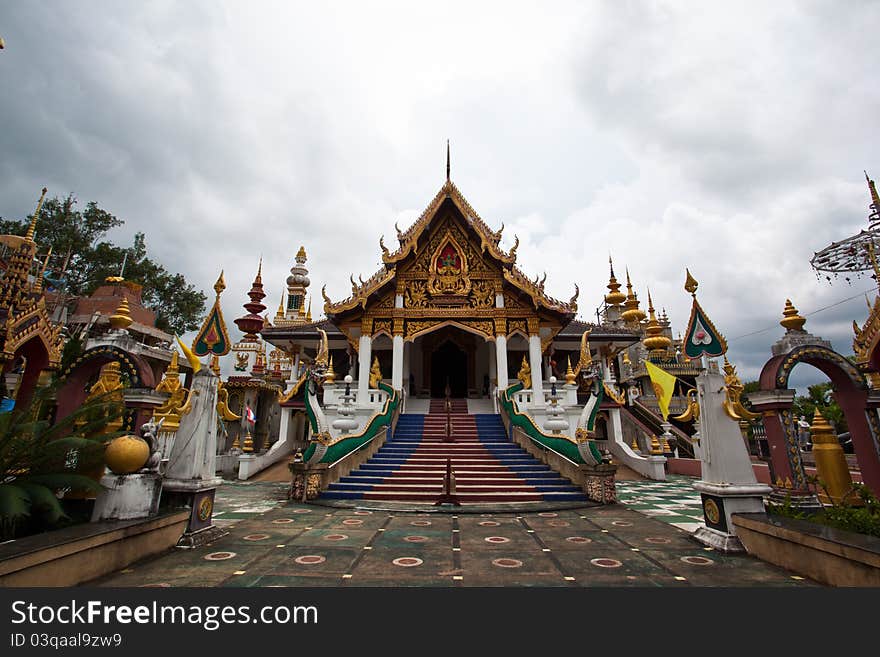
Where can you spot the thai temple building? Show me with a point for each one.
(449, 313)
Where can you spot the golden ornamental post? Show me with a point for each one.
(831, 463)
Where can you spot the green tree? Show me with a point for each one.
(82, 259)
(820, 396)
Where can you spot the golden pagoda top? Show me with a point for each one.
(633, 314)
(791, 320)
(615, 297)
(654, 338)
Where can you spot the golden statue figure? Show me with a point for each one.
(375, 373)
(525, 374)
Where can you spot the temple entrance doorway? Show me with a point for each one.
(449, 363)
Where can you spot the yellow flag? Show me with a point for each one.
(664, 385)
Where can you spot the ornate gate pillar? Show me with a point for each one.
(786, 466)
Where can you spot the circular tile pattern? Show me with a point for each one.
(219, 556)
(497, 539)
(352, 522)
(657, 540)
(548, 514)
(310, 559)
(420, 523)
(507, 563)
(256, 537)
(559, 523)
(606, 563)
(363, 513)
(407, 562)
(621, 523)
(579, 539)
(698, 561)
(415, 539)
(489, 523)
(302, 510)
(282, 521)
(335, 537)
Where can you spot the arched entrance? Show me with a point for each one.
(851, 391)
(449, 364)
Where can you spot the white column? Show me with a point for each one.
(535, 365)
(493, 368)
(501, 360)
(397, 362)
(407, 356)
(365, 348)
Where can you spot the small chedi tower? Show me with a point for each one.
(254, 385)
(296, 311)
(251, 324)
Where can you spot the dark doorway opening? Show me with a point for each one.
(449, 363)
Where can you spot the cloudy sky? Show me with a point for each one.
(730, 140)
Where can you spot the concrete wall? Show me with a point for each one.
(71, 556)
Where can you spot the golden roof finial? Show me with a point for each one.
(259, 278)
(791, 320)
(33, 227)
(280, 313)
(615, 297)
(633, 314)
(302, 307)
(570, 376)
(330, 377)
(174, 365)
(121, 319)
(654, 340)
(447, 160)
(309, 311)
(301, 254)
(220, 285)
(194, 362)
(690, 283)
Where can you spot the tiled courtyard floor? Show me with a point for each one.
(273, 543)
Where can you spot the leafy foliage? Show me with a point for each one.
(819, 396)
(40, 459)
(82, 258)
(859, 511)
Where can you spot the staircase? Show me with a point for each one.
(488, 467)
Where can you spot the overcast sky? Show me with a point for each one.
(728, 139)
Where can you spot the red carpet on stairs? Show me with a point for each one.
(488, 467)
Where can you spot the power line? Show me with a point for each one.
(813, 312)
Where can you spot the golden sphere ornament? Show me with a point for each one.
(126, 454)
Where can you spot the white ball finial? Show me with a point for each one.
(348, 378)
(552, 379)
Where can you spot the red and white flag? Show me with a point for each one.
(250, 416)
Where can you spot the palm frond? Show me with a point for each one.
(43, 502)
(58, 481)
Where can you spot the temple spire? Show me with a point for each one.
(874, 215)
(33, 227)
(447, 160)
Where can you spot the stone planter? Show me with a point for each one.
(827, 555)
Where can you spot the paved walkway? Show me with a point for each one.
(273, 543)
(673, 501)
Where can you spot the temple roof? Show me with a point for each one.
(408, 244)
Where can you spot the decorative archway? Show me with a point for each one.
(77, 376)
(37, 358)
(851, 391)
